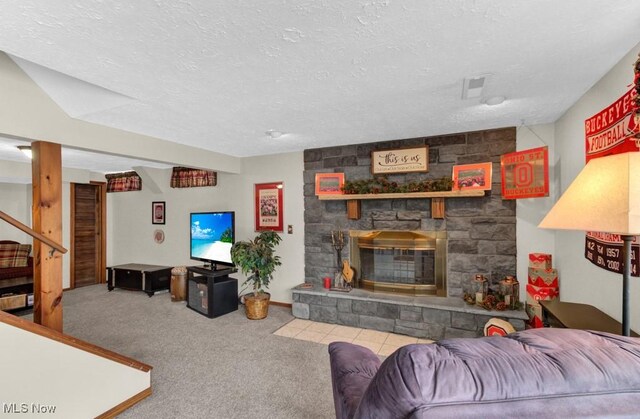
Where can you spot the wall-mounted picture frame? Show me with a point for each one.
(400, 160)
(158, 212)
(329, 183)
(268, 206)
(472, 176)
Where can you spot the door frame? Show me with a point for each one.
(102, 257)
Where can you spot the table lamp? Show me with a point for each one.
(604, 197)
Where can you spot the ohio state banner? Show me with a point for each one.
(612, 131)
(525, 174)
(605, 250)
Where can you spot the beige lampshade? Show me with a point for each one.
(604, 197)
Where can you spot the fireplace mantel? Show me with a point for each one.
(408, 195)
(437, 200)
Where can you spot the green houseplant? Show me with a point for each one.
(256, 258)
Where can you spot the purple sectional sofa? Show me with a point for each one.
(541, 373)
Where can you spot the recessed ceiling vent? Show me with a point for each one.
(472, 86)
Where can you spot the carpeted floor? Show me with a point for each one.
(228, 367)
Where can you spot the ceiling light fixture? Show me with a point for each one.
(26, 149)
(274, 134)
(495, 100)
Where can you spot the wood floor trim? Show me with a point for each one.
(116, 410)
(275, 303)
(15, 321)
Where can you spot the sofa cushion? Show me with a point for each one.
(14, 255)
(352, 367)
(507, 374)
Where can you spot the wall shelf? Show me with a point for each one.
(408, 195)
(437, 200)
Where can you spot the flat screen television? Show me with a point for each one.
(211, 238)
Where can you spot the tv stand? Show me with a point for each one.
(211, 293)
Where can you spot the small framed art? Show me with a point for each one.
(268, 206)
(158, 212)
(329, 183)
(472, 176)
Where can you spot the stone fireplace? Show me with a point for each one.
(478, 235)
(480, 231)
(400, 262)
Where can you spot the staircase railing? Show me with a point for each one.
(32, 233)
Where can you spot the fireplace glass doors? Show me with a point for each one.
(402, 262)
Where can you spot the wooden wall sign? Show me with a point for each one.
(525, 174)
(402, 160)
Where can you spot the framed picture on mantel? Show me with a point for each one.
(472, 176)
(401, 160)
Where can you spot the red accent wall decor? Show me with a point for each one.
(268, 206)
(525, 174)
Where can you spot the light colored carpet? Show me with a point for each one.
(228, 367)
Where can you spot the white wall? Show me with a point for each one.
(131, 231)
(530, 211)
(15, 200)
(581, 281)
(287, 168)
(47, 372)
(129, 219)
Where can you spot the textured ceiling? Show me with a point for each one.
(219, 74)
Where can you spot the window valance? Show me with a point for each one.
(123, 182)
(184, 177)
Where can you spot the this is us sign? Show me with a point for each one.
(402, 160)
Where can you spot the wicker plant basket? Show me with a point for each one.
(257, 307)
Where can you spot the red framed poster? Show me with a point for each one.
(525, 174)
(268, 206)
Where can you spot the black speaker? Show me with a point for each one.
(212, 296)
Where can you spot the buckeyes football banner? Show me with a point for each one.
(612, 131)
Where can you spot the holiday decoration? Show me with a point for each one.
(381, 184)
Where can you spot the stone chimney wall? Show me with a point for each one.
(481, 232)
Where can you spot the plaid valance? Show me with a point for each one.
(184, 177)
(123, 182)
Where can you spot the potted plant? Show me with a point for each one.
(256, 258)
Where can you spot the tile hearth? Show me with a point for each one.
(382, 343)
(425, 317)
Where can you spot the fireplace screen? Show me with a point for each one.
(406, 262)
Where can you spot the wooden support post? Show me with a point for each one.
(353, 209)
(47, 220)
(437, 207)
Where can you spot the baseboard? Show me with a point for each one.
(116, 410)
(275, 303)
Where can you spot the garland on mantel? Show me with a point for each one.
(381, 184)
